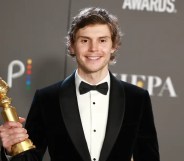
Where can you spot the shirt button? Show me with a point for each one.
(94, 103)
(94, 130)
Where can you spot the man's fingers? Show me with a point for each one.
(7, 142)
(11, 124)
(12, 133)
(21, 119)
(14, 139)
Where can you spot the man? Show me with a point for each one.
(108, 120)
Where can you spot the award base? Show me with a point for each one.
(22, 147)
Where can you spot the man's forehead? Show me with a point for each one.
(100, 30)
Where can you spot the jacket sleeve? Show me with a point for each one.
(146, 147)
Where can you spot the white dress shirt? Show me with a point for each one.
(93, 109)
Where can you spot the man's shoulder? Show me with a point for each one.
(128, 88)
(56, 87)
(133, 89)
(50, 89)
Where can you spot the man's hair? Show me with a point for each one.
(92, 16)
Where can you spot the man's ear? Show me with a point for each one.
(113, 50)
(71, 49)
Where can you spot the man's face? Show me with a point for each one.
(93, 48)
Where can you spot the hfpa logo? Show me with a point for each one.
(22, 68)
(154, 84)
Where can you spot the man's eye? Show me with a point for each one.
(103, 40)
(84, 41)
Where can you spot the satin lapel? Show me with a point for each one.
(71, 116)
(115, 117)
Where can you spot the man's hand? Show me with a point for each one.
(12, 133)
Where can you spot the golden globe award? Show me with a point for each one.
(9, 114)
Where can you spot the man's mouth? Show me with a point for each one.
(93, 57)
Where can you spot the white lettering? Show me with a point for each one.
(162, 6)
(12, 75)
(145, 5)
(170, 6)
(127, 4)
(150, 5)
(135, 78)
(168, 86)
(153, 82)
(124, 77)
(136, 4)
(153, 5)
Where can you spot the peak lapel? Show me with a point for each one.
(115, 117)
(71, 116)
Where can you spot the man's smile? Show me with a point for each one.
(93, 57)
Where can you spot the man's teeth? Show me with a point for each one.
(93, 57)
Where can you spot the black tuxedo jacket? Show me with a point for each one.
(54, 122)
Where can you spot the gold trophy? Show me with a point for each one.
(9, 114)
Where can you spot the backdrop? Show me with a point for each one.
(33, 55)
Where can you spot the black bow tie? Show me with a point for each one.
(84, 88)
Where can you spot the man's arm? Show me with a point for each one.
(36, 131)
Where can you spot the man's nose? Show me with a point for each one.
(93, 46)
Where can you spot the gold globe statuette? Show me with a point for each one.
(9, 114)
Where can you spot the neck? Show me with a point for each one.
(93, 77)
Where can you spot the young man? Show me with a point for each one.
(89, 116)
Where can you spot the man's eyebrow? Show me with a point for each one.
(104, 37)
(86, 37)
